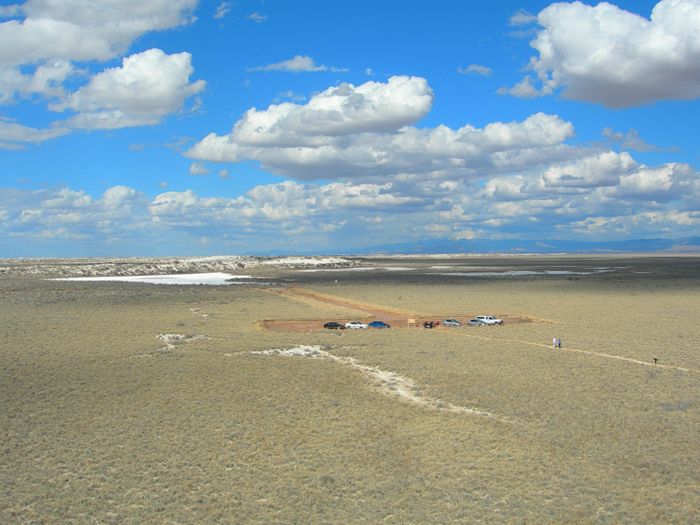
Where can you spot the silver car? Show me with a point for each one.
(357, 325)
(476, 322)
(451, 322)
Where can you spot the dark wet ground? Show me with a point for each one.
(451, 270)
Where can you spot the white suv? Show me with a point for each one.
(489, 319)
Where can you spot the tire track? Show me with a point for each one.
(579, 351)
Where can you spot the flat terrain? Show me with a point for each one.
(143, 403)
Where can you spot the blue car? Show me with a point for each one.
(378, 324)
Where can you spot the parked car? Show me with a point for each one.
(489, 319)
(334, 326)
(476, 322)
(357, 325)
(451, 322)
(378, 324)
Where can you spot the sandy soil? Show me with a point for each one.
(138, 403)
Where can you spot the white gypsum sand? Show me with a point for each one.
(171, 340)
(189, 278)
(389, 382)
(139, 266)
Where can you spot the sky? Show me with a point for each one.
(185, 127)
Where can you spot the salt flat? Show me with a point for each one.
(213, 278)
(141, 403)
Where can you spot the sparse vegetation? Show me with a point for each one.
(99, 426)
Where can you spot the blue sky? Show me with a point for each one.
(188, 127)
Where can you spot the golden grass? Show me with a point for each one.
(94, 431)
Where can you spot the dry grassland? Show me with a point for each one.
(104, 423)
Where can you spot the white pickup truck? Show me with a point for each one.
(489, 319)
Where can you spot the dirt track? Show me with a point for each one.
(367, 314)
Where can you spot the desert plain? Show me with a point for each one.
(132, 402)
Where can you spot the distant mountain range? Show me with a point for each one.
(687, 244)
(513, 246)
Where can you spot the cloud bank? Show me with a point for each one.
(394, 181)
(607, 195)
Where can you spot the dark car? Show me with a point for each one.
(378, 324)
(334, 326)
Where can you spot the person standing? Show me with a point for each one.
(559, 343)
(554, 342)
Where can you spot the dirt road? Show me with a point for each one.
(366, 314)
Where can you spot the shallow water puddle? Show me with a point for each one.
(387, 382)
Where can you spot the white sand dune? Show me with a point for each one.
(134, 266)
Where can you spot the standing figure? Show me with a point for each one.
(554, 342)
(559, 343)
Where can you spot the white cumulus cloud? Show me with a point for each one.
(80, 30)
(146, 88)
(620, 59)
(38, 51)
(67, 198)
(47, 80)
(364, 132)
(42, 213)
(663, 183)
(604, 169)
